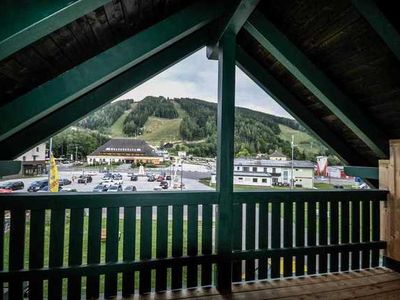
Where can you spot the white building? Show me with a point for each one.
(34, 160)
(267, 172)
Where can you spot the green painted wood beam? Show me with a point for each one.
(58, 120)
(237, 13)
(96, 71)
(362, 172)
(225, 155)
(23, 23)
(317, 82)
(383, 27)
(9, 167)
(292, 105)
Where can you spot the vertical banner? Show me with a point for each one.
(322, 166)
(53, 178)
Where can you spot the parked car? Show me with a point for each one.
(117, 176)
(151, 179)
(134, 178)
(68, 190)
(46, 189)
(107, 176)
(100, 188)
(64, 181)
(160, 178)
(115, 188)
(13, 185)
(37, 185)
(130, 188)
(168, 177)
(5, 191)
(164, 185)
(84, 179)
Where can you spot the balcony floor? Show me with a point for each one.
(379, 283)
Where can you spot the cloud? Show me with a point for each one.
(197, 77)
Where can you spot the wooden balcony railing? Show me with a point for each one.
(74, 244)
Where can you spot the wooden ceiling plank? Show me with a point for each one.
(21, 27)
(317, 82)
(381, 25)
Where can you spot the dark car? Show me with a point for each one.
(164, 185)
(14, 185)
(117, 177)
(46, 189)
(64, 181)
(130, 188)
(37, 185)
(100, 188)
(134, 178)
(151, 179)
(84, 179)
(168, 177)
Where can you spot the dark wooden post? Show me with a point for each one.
(225, 151)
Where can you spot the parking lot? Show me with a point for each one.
(141, 184)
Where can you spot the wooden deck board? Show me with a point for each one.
(379, 283)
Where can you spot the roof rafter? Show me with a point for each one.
(238, 11)
(63, 117)
(21, 27)
(317, 82)
(382, 26)
(81, 79)
(292, 105)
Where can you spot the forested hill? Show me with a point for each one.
(191, 125)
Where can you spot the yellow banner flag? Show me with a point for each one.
(53, 178)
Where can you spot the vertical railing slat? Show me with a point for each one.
(16, 250)
(300, 237)
(237, 240)
(334, 235)
(288, 237)
(75, 251)
(162, 246)
(145, 247)
(263, 217)
(366, 232)
(275, 238)
(206, 243)
(36, 251)
(355, 233)
(323, 235)
(128, 278)
(56, 255)
(345, 234)
(250, 239)
(192, 244)
(94, 248)
(311, 236)
(177, 245)
(375, 231)
(112, 236)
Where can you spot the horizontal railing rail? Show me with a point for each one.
(144, 242)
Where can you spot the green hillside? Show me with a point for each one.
(191, 125)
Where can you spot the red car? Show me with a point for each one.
(5, 191)
(160, 178)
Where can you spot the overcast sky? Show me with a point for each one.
(196, 77)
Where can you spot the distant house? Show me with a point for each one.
(277, 156)
(268, 172)
(34, 160)
(124, 151)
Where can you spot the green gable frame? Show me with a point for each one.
(83, 105)
(81, 79)
(292, 105)
(21, 26)
(317, 82)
